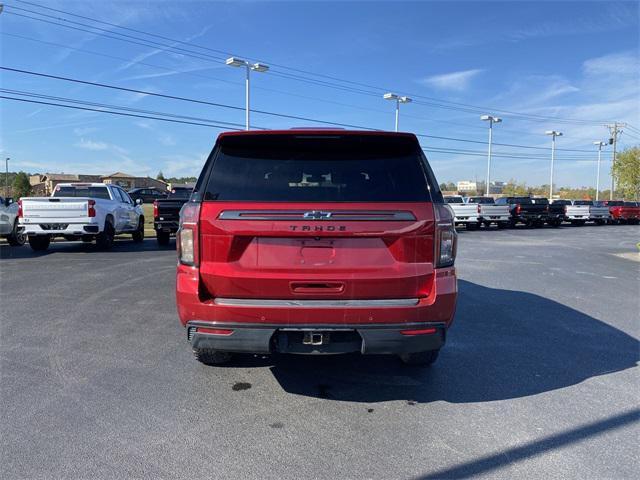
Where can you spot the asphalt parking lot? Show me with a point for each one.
(539, 377)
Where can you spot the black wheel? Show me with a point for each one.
(163, 237)
(212, 357)
(39, 243)
(138, 235)
(420, 358)
(87, 238)
(487, 224)
(473, 226)
(104, 239)
(512, 223)
(15, 238)
(503, 225)
(599, 222)
(555, 223)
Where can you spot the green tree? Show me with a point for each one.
(21, 185)
(626, 172)
(160, 176)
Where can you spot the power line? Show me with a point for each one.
(468, 107)
(276, 114)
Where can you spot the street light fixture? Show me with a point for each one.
(256, 67)
(599, 145)
(553, 134)
(398, 99)
(491, 119)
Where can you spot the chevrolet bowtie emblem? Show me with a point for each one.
(317, 215)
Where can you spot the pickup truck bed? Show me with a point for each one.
(166, 214)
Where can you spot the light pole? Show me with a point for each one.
(553, 134)
(399, 100)
(6, 176)
(491, 120)
(257, 67)
(599, 145)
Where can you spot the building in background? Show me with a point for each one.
(44, 184)
(466, 186)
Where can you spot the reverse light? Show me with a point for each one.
(20, 208)
(155, 209)
(445, 236)
(187, 236)
(91, 208)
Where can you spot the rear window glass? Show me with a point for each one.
(482, 200)
(630, 204)
(317, 168)
(453, 199)
(540, 201)
(583, 202)
(82, 191)
(562, 202)
(180, 193)
(523, 200)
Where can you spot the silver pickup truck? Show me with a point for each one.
(598, 214)
(465, 214)
(489, 212)
(578, 212)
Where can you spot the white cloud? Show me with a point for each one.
(167, 140)
(452, 81)
(91, 145)
(623, 63)
(82, 131)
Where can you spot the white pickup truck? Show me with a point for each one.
(598, 214)
(9, 227)
(577, 214)
(465, 214)
(489, 212)
(81, 211)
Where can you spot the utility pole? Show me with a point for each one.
(614, 130)
(6, 176)
(553, 134)
(599, 145)
(491, 119)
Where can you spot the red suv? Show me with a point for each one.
(316, 242)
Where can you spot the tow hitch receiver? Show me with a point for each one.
(314, 338)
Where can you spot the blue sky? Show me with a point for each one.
(571, 60)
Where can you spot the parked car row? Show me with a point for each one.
(472, 212)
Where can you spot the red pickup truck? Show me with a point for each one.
(316, 242)
(623, 212)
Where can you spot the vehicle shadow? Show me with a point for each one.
(62, 246)
(503, 344)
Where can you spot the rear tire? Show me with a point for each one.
(211, 357)
(163, 238)
(473, 226)
(15, 238)
(39, 243)
(420, 358)
(104, 240)
(503, 225)
(138, 235)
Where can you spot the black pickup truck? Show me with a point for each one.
(533, 212)
(166, 214)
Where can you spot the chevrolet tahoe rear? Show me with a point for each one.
(316, 242)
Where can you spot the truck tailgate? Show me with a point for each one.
(43, 210)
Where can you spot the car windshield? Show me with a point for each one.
(82, 191)
(313, 168)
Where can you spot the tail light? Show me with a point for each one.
(187, 236)
(479, 208)
(445, 236)
(565, 209)
(518, 209)
(20, 208)
(91, 208)
(155, 209)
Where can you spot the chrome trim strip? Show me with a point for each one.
(312, 215)
(257, 302)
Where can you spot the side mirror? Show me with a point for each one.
(139, 201)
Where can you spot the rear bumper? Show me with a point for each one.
(365, 339)
(255, 325)
(165, 226)
(60, 228)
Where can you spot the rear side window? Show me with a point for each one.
(82, 191)
(318, 168)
